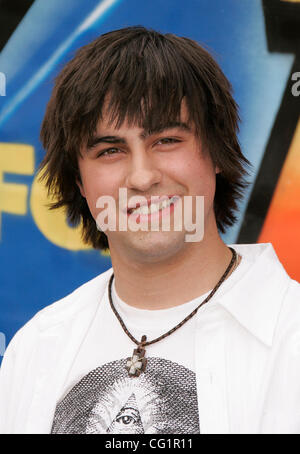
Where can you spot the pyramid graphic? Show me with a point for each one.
(128, 419)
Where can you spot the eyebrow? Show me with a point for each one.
(95, 140)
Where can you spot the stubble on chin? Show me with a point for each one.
(151, 247)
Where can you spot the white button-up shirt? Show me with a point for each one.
(247, 353)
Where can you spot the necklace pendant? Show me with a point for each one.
(137, 363)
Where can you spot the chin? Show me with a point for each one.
(156, 246)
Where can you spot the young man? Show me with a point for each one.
(214, 329)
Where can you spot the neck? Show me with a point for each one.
(171, 282)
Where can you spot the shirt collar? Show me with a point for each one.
(254, 293)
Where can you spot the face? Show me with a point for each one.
(158, 163)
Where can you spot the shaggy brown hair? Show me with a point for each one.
(139, 68)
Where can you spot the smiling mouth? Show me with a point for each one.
(153, 207)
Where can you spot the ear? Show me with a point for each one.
(79, 184)
(217, 170)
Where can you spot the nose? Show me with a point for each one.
(143, 172)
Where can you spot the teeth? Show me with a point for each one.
(154, 207)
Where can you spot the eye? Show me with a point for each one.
(108, 152)
(167, 141)
(126, 420)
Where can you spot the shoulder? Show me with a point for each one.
(80, 299)
(289, 316)
(271, 299)
(84, 299)
(269, 270)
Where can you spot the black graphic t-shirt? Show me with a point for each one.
(100, 397)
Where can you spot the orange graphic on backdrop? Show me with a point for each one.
(282, 223)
